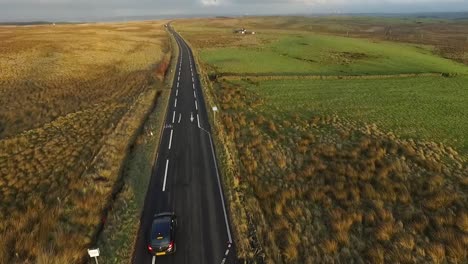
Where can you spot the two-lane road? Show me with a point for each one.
(185, 179)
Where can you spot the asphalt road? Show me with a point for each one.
(185, 178)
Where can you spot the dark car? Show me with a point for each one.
(161, 239)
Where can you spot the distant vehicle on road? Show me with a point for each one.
(161, 240)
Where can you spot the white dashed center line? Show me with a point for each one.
(175, 103)
(177, 92)
(170, 139)
(196, 105)
(173, 117)
(165, 176)
(194, 95)
(198, 121)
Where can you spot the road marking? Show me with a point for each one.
(154, 260)
(177, 84)
(178, 78)
(226, 254)
(220, 189)
(165, 176)
(198, 120)
(191, 116)
(175, 103)
(173, 117)
(180, 117)
(194, 94)
(193, 80)
(170, 139)
(221, 192)
(196, 105)
(177, 92)
(193, 85)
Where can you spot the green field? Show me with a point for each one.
(429, 108)
(313, 54)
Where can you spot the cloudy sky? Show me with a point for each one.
(101, 9)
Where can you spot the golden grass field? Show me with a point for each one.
(71, 100)
(322, 188)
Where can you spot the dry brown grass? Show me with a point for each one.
(71, 99)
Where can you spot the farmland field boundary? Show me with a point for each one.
(236, 77)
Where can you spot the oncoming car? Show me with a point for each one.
(161, 239)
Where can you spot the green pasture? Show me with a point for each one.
(312, 54)
(429, 108)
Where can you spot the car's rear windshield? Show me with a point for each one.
(160, 231)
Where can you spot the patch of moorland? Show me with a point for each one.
(323, 189)
(71, 100)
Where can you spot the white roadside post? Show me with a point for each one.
(94, 253)
(215, 109)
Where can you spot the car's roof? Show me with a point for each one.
(161, 225)
(160, 229)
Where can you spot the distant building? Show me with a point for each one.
(240, 31)
(243, 31)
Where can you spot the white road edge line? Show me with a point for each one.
(173, 117)
(220, 191)
(170, 139)
(175, 103)
(165, 176)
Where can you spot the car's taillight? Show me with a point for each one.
(169, 248)
(150, 248)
